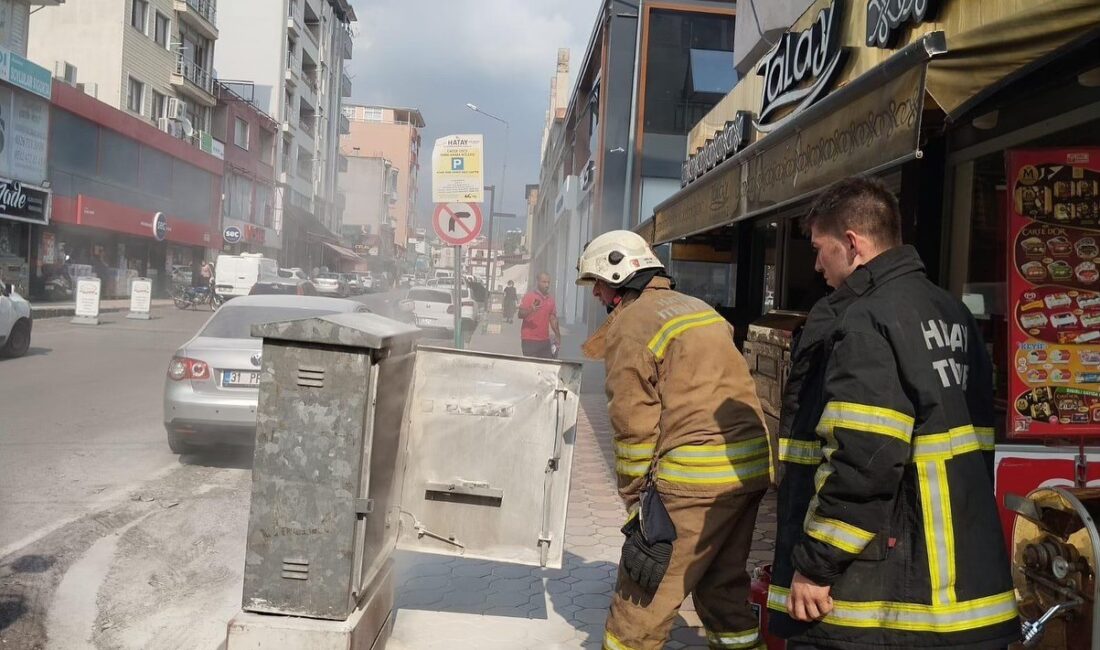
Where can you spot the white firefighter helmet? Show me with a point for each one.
(615, 257)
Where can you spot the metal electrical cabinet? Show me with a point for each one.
(490, 453)
(366, 443)
(768, 354)
(328, 437)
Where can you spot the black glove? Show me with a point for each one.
(645, 563)
(647, 550)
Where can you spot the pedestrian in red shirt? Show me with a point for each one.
(539, 334)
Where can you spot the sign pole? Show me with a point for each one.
(457, 300)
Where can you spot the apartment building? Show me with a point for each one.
(613, 145)
(25, 91)
(294, 53)
(392, 134)
(151, 58)
(371, 186)
(248, 208)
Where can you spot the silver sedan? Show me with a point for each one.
(211, 391)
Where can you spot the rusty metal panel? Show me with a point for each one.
(768, 353)
(489, 456)
(328, 422)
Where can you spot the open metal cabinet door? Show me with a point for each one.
(489, 456)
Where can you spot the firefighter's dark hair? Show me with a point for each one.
(862, 204)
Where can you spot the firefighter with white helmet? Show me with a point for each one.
(692, 454)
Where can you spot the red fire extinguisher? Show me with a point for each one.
(758, 597)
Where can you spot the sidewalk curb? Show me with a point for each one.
(67, 311)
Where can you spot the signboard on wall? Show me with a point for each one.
(21, 73)
(458, 170)
(1054, 292)
(24, 130)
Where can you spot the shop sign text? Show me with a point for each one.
(160, 226)
(800, 69)
(23, 203)
(886, 18)
(727, 141)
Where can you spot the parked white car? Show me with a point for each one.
(15, 322)
(433, 310)
(234, 275)
(331, 284)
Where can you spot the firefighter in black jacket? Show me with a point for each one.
(888, 530)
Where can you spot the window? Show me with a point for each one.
(160, 33)
(240, 133)
(373, 114)
(160, 104)
(135, 96)
(139, 12)
(672, 105)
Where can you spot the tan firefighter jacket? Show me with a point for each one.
(680, 398)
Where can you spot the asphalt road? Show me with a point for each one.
(107, 539)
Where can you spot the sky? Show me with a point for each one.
(437, 55)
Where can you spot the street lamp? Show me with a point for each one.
(491, 277)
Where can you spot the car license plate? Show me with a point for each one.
(240, 378)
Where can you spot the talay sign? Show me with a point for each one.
(801, 67)
(726, 142)
(885, 18)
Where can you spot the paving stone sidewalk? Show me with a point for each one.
(462, 604)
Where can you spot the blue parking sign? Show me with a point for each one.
(458, 164)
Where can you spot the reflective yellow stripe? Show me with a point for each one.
(939, 531)
(677, 326)
(985, 437)
(956, 617)
(718, 454)
(634, 451)
(729, 464)
(735, 640)
(824, 471)
(869, 419)
(611, 642)
(627, 468)
(957, 441)
(802, 452)
(842, 535)
(733, 476)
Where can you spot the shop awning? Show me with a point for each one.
(346, 253)
(870, 125)
(985, 58)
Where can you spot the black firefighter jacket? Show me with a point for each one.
(886, 443)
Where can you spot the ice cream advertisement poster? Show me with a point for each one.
(1054, 292)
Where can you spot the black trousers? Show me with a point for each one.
(539, 349)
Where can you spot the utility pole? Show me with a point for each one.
(492, 189)
(503, 188)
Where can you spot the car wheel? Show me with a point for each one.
(177, 445)
(19, 340)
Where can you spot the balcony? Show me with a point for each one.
(347, 43)
(200, 14)
(306, 125)
(345, 124)
(310, 81)
(194, 81)
(292, 26)
(293, 76)
(345, 84)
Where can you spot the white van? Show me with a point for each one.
(234, 275)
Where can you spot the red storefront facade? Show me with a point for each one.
(128, 199)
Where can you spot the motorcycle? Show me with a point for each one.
(59, 288)
(189, 297)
